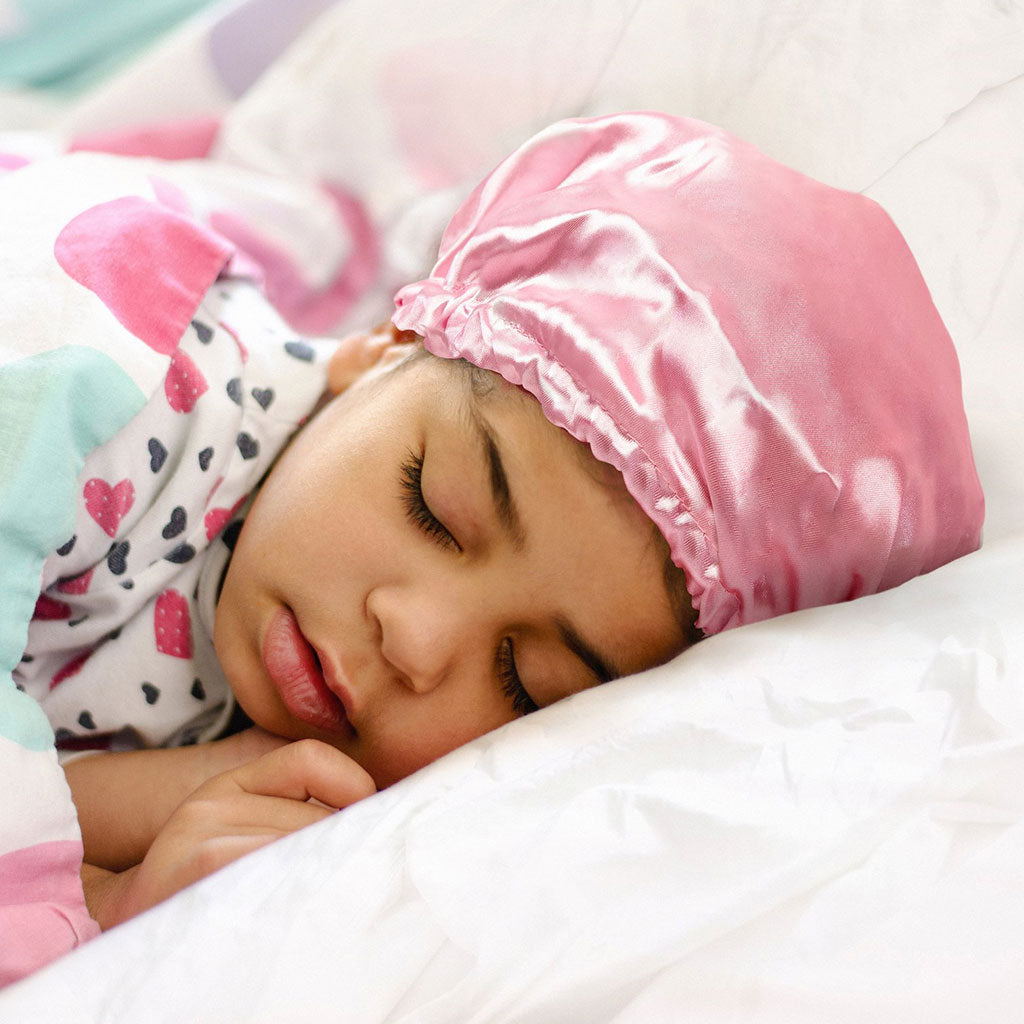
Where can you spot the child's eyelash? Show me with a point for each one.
(522, 702)
(416, 506)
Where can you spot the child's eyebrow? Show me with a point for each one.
(586, 653)
(508, 516)
(504, 503)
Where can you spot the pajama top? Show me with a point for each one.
(120, 650)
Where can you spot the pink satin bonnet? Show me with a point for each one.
(756, 352)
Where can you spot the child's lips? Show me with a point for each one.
(294, 668)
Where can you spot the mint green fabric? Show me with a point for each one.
(68, 45)
(54, 409)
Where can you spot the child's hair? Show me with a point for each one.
(755, 352)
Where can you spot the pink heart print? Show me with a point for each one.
(217, 518)
(48, 608)
(149, 265)
(76, 584)
(108, 505)
(172, 625)
(184, 383)
(73, 667)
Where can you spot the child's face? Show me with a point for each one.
(439, 561)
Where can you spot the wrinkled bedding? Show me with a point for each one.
(814, 818)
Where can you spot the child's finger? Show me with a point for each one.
(354, 355)
(223, 808)
(361, 355)
(306, 769)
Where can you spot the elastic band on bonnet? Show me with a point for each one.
(755, 351)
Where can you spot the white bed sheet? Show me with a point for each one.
(818, 818)
(729, 843)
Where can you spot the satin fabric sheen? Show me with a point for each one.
(755, 351)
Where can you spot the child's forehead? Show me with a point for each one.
(477, 391)
(480, 391)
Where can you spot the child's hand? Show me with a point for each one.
(124, 799)
(359, 353)
(228, 816)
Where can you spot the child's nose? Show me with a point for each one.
(425, 636)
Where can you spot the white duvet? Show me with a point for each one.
(819, 818)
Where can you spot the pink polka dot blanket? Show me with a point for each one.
(139, 361)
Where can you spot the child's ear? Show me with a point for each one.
(363, 351)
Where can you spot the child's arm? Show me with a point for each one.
(123, 800)
(228, 816)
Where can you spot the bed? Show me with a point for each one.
(816, 818)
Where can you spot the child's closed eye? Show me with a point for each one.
(416, 506)
(522, 702)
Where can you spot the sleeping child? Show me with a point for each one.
(656, 386)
